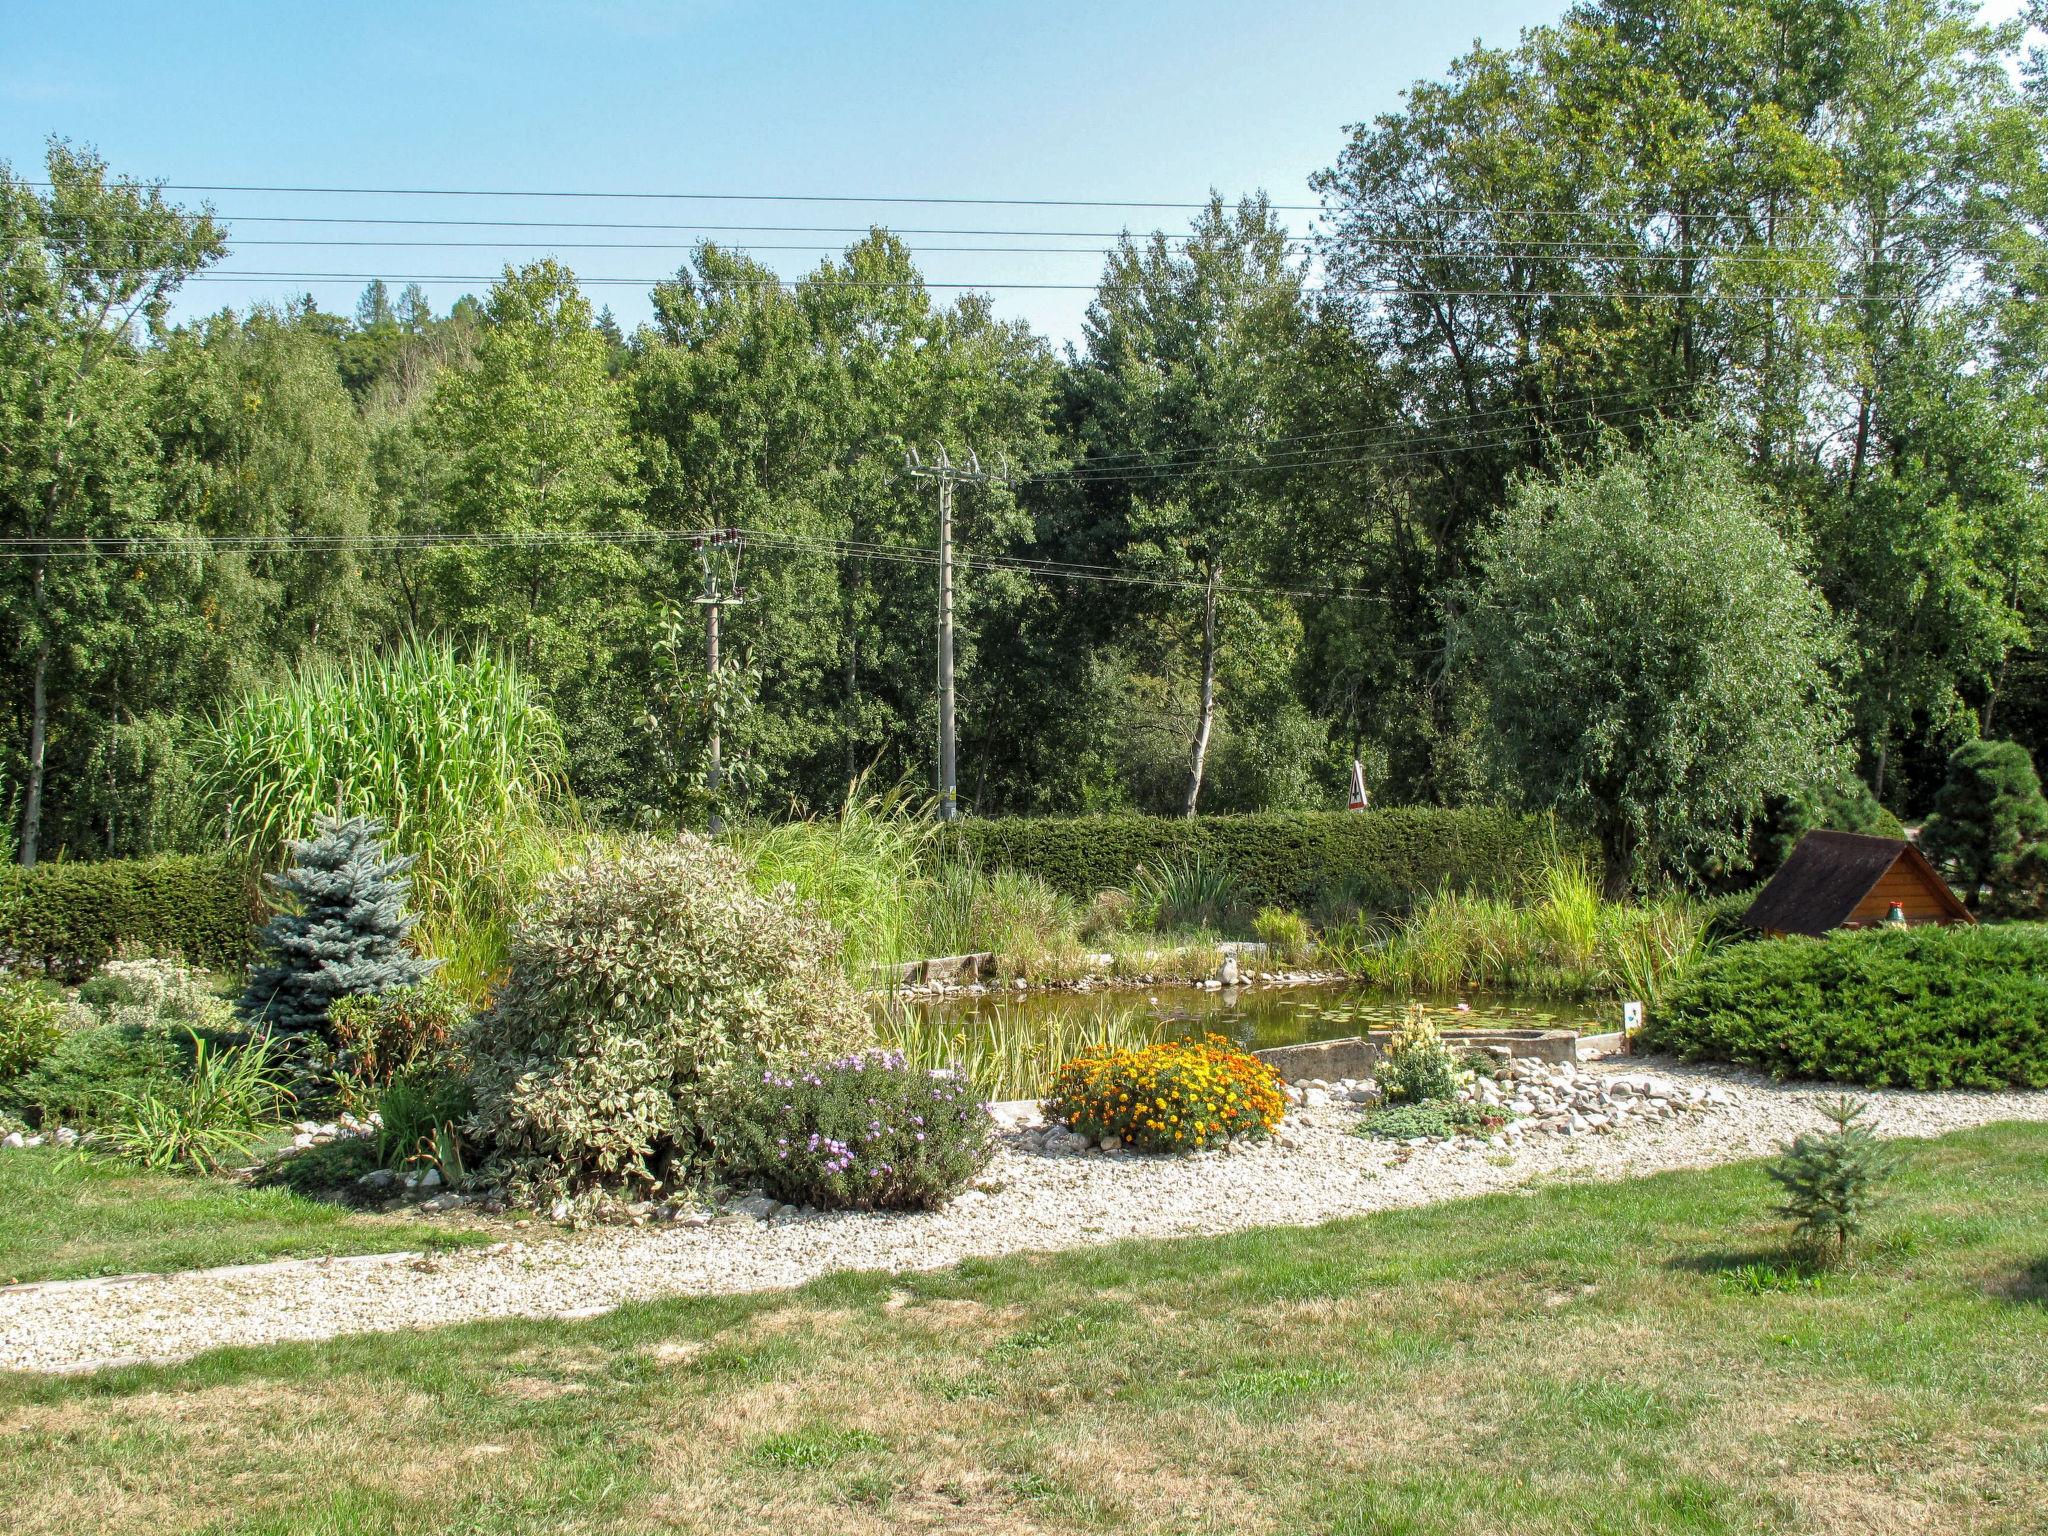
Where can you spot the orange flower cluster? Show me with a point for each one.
(1176, 1096)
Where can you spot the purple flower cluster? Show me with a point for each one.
(870, 1130)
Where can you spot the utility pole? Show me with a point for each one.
(714, 600)
(947, 474)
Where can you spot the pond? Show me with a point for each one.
(1255, 1016)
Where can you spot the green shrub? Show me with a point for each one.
(198, 1120)
(89, 1077)
(1285, 934)
(149, 992)
(1438, 1119)
(1417, 1067)
(1288, 858)
(640, 976)
(871, 1131)
(378, 1037)
(68, 919)
(1832, 1180)
(419, 1117)
(32, 1020)
(1929, 1007)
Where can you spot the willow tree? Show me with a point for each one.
(1655, 664)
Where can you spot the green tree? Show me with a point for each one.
(83, 263)
(1654, 662)
(528, 454)
(1989, 818)
(1186, 347)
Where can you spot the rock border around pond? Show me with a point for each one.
(1027, 1201)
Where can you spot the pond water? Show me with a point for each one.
(1260, 1016)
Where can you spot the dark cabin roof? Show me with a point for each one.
(1829, 873)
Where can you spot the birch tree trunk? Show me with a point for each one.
(1206, 716)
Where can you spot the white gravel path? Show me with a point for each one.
(1038, 1202)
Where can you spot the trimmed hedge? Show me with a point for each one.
(66, 919)
(1286, 858)
(1930, 1007)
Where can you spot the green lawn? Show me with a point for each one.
(64, 1215)
(1593, 1359)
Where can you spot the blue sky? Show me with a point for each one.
(1049, 100)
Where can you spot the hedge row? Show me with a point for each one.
(65, 919)
(1927, 1007)
(1291, 858)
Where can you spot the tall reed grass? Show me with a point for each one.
(1010, 1055)
(451, 750)
(1562, 940)
(862, 871)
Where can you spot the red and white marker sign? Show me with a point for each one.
(1358, 796)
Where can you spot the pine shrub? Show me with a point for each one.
(1929, 1007)
(1832, 1180)
(1990, 821)
(640, 978)
(342, 931)
(870, 1131)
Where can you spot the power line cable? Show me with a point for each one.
(707, 197)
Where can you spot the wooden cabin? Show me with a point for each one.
(1847, 880)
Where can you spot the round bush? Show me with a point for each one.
(869, 1131)
(640, 977)
(1176, 1096)
(1961, 1007)
(32, 1020)
(378, 1036)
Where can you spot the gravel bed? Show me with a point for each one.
(1028, 1199)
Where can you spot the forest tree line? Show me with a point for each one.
(1806, 235)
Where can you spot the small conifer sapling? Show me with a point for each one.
(340, 930)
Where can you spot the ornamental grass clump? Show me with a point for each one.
(870, 1131)
(642, 977)
(1175, 1096)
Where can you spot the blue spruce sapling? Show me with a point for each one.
(340, 930)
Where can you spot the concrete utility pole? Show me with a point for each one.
(713, 600)
(948, 474)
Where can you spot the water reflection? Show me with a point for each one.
(1261, 1016)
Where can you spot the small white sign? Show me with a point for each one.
(1631, 1017)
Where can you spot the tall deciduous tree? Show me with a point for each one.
(1656, 666)
(1187, 346)
(84, 262)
